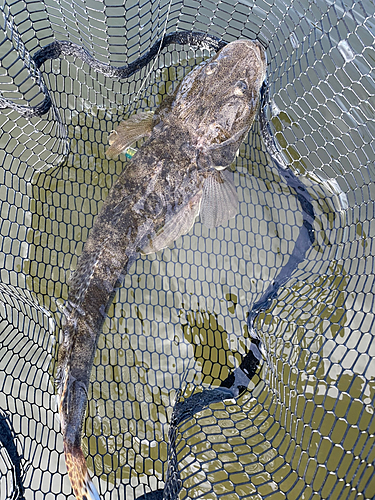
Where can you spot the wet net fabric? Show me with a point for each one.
(185, 319)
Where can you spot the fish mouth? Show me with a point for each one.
(257, 49)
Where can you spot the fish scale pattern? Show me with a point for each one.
(302, 426)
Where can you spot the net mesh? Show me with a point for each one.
(304, 428)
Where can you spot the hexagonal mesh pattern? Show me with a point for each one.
(178, 329)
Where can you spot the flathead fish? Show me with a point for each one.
(178, 173)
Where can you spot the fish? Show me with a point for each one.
(179, 172)
(8, 440)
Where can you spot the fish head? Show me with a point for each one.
(219, 98)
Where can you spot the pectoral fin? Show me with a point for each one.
(219, 199)
(179, 224)
(130, 131)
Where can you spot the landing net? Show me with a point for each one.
(266, 295)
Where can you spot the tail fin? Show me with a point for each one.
(83, 487)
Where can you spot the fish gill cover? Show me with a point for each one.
(239, 363)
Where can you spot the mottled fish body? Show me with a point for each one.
(177, 174)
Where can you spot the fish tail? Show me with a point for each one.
(83, 487)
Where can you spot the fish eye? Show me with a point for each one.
(211, 68)
(242, 85)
